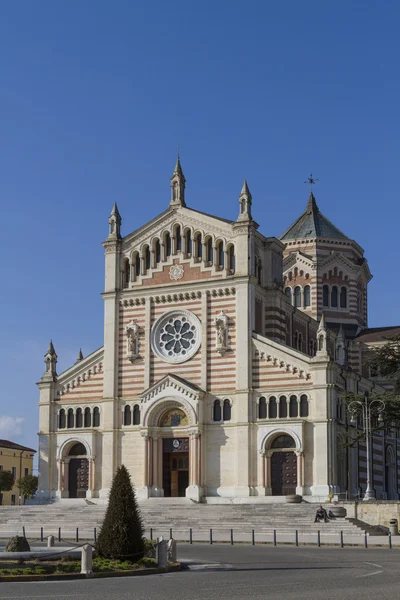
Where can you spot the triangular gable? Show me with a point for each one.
(174, 385)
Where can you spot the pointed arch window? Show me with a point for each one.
(293, 407)
(96, 417)
(70, 418)
(87, 417)
(178, 238)
(136, 415)
(262, 408)
(325, 295)
(282, 407)
(334, 296)
(199, 246)
(232, 259)
(127, 415)
(297, 296)
(61, 419)
(158, 251)
(303, 406)
(220, 254)
(343, 298)
(307, 296)
(227, 410)
(210, 251)
(217, 414)
(127, 273)
(167, 244)
(188, 241)
(147, 258)
(273, 409)
(78, 417)
(137, 265)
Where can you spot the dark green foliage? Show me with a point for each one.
(6, 481)
(18, 544)
(121, 535)
(28, 485)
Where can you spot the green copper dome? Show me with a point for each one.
(312, 223)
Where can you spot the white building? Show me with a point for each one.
(218, 376)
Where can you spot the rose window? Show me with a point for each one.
(176, 336)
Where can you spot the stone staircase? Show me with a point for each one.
(163, 514)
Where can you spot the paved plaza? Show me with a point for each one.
(223, 571)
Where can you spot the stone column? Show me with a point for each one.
(155, 467)
(152, 258)
(194, 491)
(268, 481)
(65, 491)
(300, 473)
(60, 474)
(146, 461)
(163, 252)
(261, 473)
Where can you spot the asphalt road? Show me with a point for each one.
(224, 572)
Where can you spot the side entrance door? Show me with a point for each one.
(283, 473)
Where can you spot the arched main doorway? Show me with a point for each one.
(175, 453)
(78, 471)
(283, 465)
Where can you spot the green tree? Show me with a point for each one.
(121, 535)
(385, 362)
(28, 485)
(6, 481)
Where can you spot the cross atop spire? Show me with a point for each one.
(311, 181)
(178, 186)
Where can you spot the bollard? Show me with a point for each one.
(231, 537)
(59, 534)
(394, 527)
(365, 540)
(390, 540)
(23, 532)
(77, 534)
(151, 533)
(319, 538)
(162, 554)
(211, 540)
(41, 534)
(341, 539)
(95, 535)
(87, 560)
(253, 541)
(172, 550)
(50, 541)
(190, 536)
(274, 537)
(170, 533)
(297, 538)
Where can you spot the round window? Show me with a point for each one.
(176, 336)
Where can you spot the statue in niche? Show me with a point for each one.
(132, 337)
(221, 328)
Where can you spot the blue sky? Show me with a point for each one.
(96, 96)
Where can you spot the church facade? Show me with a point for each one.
(226, 354)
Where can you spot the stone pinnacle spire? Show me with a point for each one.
(178, 182)
(245, 201)
(80, 355)
(114, 221)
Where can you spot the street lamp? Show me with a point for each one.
(366, 413)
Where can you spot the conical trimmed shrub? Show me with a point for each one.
(121, 535)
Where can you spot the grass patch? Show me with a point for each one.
(100, 565)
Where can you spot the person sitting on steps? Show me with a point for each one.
(321, 515)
